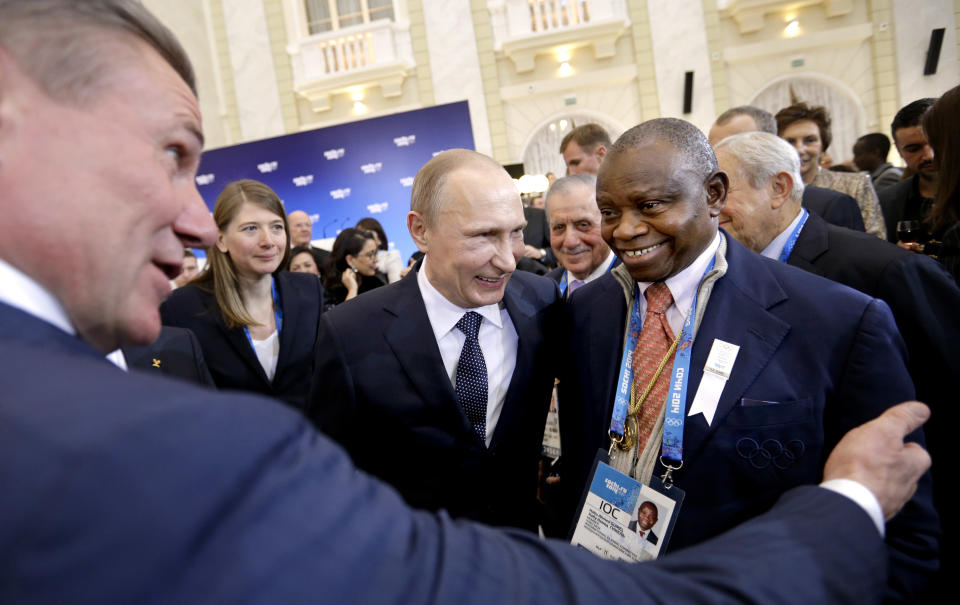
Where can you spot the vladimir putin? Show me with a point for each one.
(439, 383)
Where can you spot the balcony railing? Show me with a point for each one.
(525, 28)
(362, 55)
(546, 15)
(349, 49)
(521, 18)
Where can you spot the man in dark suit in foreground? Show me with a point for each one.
(125, 488)
(923, 297)
(813, 358)
(390, 383)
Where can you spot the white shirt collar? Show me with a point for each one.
(598, 272)
(19, 290)
(775, 247)
(683, 285)
(443, 314)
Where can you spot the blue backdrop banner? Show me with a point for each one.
(343, 173)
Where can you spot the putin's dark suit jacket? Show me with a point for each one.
(835, 207)
(128, 488)
(232, 361)
(925, 302)
(175, 353)
(382, 391)
(816, 358)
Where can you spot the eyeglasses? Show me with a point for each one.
(371, 255)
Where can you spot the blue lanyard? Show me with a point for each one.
(277, 312)
(676, 404)
(563, 280)
(792, 240)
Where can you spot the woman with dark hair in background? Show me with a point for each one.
(302, 260)
(389, 262)
(352, 268)
(808, 130)
(941, 124)
(257, 324)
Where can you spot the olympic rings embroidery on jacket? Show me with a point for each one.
(770, 451)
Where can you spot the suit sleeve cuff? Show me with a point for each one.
(860, 494)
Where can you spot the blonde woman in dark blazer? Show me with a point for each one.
(257, 324)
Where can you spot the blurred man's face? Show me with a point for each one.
(190, 270)
(123, 203)
(583, 160)
(916, 151)
(301, 228)
(866, 158)
(736, 125)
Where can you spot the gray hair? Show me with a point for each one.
(566, 185)
(763, 119)
(63, 45)
(762, 155)
(426, 196)
(682, 135)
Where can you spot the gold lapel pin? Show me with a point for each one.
(156, 363)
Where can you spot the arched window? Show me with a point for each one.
(542, 152)
(847, 114)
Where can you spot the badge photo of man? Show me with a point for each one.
(647, 517)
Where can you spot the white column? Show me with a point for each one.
(913, 22)
(678, 35)
(454, 65)
(254, 78)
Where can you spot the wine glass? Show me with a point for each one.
(909, 231)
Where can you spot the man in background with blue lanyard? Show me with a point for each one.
(575, 233)
(701, 364)
(763, 210)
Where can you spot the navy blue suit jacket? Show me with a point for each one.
(382, 391)
(175, 353)
(835, 207)
(826, 357)
(230, 358)
(128, 488)
(925, 301)
(923, 297)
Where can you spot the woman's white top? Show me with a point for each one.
(268, 351)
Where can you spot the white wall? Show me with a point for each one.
(454, 65)
(913, 23)
(678, 34)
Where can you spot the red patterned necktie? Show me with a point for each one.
(653, 344)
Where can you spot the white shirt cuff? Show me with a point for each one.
(860, 494)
